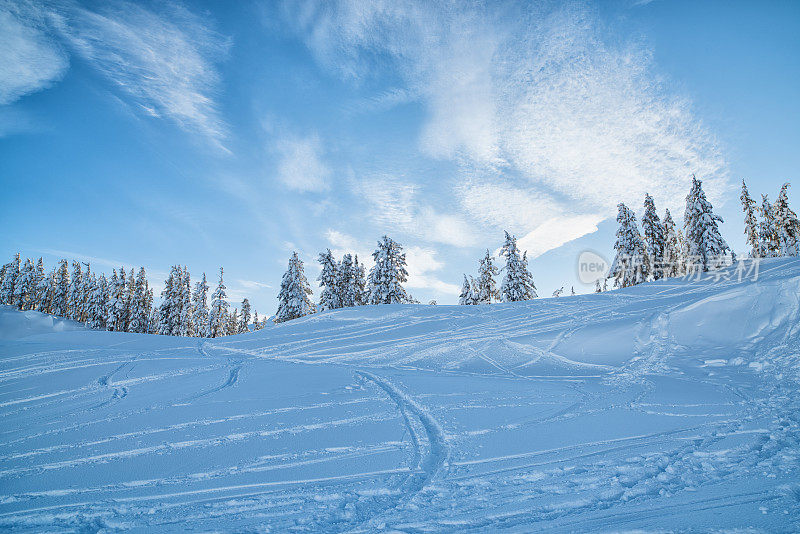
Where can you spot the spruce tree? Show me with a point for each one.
(294, 297)
(10, 275)
(43, 299)
(672, 250)
(99, 303)
(75, 297)
(701, 229)
(256, 322)
(387, 276)
(360, 293)
(244, 320)
(630, 263)
(329, 281)
(25, 287)
(200, 305)
(346, 282)
(486, 285)
(750, 222)
(218, 317)
(61, 295)
(187, 312)
(787, 225)
(769, 244)
(517, 282)
(654, 238)
(467, 296)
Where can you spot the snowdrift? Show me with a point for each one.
(670, 406)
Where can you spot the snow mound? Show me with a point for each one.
(15, 324)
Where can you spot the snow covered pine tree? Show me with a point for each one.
(294, 297)
(705, 243)
(517, 282)
(388, 274)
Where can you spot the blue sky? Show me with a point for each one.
(231, 133)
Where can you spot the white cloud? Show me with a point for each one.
(555, 232)
(301, 166)
(539, 103)
(30, 60)
(163, 60)
(395, 204)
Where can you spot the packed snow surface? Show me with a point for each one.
(672, 405)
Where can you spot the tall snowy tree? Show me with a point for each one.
(187, 312)
(387, 276)
(140, 308)
(244, 319)
(329, 282)
(654, 238)
(701, 229)
(486, 287)
(218, 317)
(10, 275)
(115, 304)
(41, 287)
(25, 288)
(467, 296)
(787, 225)
(294, 297)
(61, 294)
(346, 282)
(76, 304)
(672, 260)
(517, 282)
(750, 221)
(98, 304)
(630, 263)
(769, 244)
(200, 305)
(359, 285)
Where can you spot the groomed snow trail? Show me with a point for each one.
(672, 406)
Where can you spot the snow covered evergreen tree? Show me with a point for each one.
(359, 284)
(10, 275)
(120, 299)
(115, 301)
(467, 296)
(233, 323)
(630, 263)
(98, 304)
(42, 284)
(200, 305)
(330, 282)
(170, 312)
(187, 312)
(768, 230)
(218, 317)
(786, 225)
(244, 319)
(654, 238)
(61, 295)
(486, 287)
(256, 321)
(76, 293)
(140, 309)
(294, 297)
(701, 230)
(672, 260)
(387, 276)
(346, 282)
(750, 221)
(517, 282)
(25, 287)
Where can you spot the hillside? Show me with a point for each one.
(671, 405)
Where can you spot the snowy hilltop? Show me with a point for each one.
(669, 405)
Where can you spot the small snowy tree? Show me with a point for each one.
(486, 285)
(629, 267)
(294, 297)
(750, 221)
(200, 305)
(701, 229)
(654, 238)
(787, 225)
(218, 317)
(233, 323)
(517, 282)
(329, 281)
(769, 244)
(467, 296)
(557, 293)
(387, 276)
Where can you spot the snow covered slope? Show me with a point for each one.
(670, 406)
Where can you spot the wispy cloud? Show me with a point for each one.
(395, 203)
(551, 117)
(301, 164)
(30, 60)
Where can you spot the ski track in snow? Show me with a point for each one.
(669, 406)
